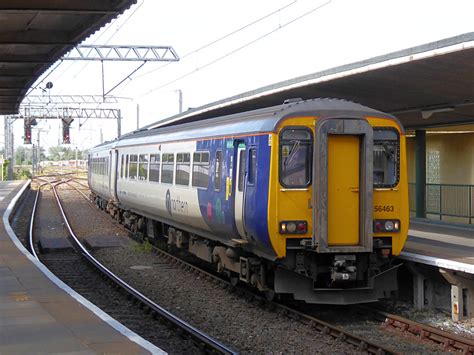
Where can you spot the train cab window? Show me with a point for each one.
(295, 157)
(218, 171)
(155, 167)
(386, 157)
(143, 167)
(241, 170)
(200, 169)
(252, 166)
(183, 168)
(122, 165)
(167, 168)
(133, 167)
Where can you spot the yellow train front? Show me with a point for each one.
(338, 204)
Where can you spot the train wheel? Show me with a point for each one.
(269, 294)
(234, 279)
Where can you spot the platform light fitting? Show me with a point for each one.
(425, 114)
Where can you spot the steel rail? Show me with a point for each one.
(196, 334)
(31, 243)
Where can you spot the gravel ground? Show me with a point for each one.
(229, 318)
(241, 324)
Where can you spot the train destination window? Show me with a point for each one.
(155, 167)
(200, 169)
(295, 157)
(386, 158)
(167, 168)
(252, 166)
(133, 167)
(241, 170)
(183, 167)
(218, 171)
(143, 167)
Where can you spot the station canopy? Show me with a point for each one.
(36, 33)
(425, 86)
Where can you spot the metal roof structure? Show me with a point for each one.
(35, 34)
(424, 86)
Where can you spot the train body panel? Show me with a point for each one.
(309, 199)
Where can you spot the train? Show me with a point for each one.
(307, 200)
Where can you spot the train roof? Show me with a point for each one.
(250, 122)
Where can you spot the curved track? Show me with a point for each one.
(68, 263)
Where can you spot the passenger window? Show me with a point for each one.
(183, 168)
(252, 166)
(133, 167)
(167, 168)
(155, 167)
(200, 169)
(241, 170)
(218, 171)
(143, 167)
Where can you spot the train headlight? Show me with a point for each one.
(386, 225)
(293, 227)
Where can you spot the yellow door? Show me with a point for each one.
(343, 189)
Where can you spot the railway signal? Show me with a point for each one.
(27, 123)
(66, 125)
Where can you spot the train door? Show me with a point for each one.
(114, 163)
(239, 199)
(343, 189)
(343, 185)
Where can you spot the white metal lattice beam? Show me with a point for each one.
(69, 99)
(68, 112)
(123, 53)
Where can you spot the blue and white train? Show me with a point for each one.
(308, 198)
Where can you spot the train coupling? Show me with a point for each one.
(344, 268)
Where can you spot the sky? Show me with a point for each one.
(230, 47)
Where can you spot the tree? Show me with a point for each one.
(23, 155)
(65, 153)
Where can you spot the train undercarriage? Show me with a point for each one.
(304, 274)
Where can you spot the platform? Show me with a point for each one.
(447, 250)
(40, 314)
(442, 241)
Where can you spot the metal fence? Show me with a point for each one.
(446, 200)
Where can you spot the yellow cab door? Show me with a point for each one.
(343, 189)
(343, 185)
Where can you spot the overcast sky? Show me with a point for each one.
(264, 42)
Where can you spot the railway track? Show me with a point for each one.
(115, 296)
(323, 327)
(447, 340)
